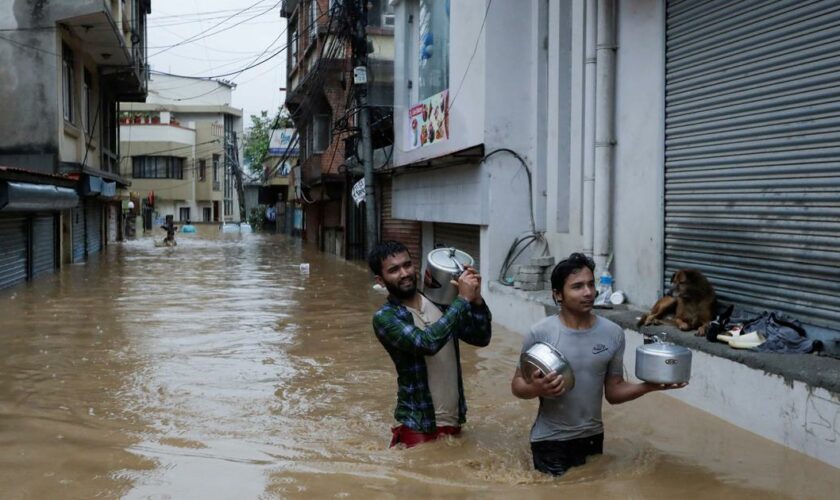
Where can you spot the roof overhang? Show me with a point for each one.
(28, 197)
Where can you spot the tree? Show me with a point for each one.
(258, 136)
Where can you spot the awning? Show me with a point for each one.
(109, 190)
(26, 197)
(91, 185)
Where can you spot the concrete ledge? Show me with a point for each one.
(811, 369)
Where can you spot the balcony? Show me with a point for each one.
(93, 23)
(121, 55)
(288, 7)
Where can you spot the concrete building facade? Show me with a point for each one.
(321, 102)
(181, 151)
(66, 66)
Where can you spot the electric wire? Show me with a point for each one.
(204, 34)
(528, 238)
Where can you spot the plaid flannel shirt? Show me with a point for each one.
(408, 346)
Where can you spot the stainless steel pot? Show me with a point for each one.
(442, 266)
(545, 358)
(663, 363)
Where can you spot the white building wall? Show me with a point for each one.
(511, 122)
(638, 170)
(529, 97)
(158, 133)
(638, 175)
(490, 80)
(165, 89)
(466, 70)
(564, 148)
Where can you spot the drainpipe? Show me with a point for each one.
(604, 130)
(589, 127)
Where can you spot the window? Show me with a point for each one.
(380, 14)
(157, 167)
(313, 18)
(293, 43)
(306, 143)
(207, 214)
(184, 214)
(388, 21)
(68, 77)
(321, 136)
(431, 54)
(202, 170)
(106, 118)
(87, 124)
(216, 179)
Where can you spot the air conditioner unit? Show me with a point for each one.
(387, 20)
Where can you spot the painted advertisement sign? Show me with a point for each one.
(428, 121)
(281, 140)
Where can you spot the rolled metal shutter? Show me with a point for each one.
(752, 151)
(464, 237)
(78, 223)
(93, 226)
(408, 232)
(13, 249)
(43, 244)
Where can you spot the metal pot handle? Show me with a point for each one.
(457, 263)
(655, 338)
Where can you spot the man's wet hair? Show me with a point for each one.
(568, 266)
(382, 251)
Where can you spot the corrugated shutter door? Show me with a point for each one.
(13, 243)
(78, 234)
(408, 232)
(461, 236)
(43, 244)
(752, 152)
(93, 227)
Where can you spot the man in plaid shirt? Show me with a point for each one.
(422, 341)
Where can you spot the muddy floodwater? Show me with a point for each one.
(217, 369)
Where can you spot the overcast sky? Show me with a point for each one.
(255, 27)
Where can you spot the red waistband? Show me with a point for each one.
(409, 437)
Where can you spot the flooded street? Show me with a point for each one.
(217, 370)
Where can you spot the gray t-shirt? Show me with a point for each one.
(593, 354)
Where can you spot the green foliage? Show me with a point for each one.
(256, 218)
(257, 137)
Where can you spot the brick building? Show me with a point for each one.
(317, 95)
(321, 104)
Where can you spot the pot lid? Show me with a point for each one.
(664, 348)
(443, 258)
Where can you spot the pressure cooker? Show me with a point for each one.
(442, 266)
(661, 362)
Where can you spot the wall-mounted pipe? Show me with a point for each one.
(590, 29)
(604, 130)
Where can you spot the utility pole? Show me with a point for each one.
(237, 173)
(360, 53)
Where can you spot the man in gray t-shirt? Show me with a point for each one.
(568, 427)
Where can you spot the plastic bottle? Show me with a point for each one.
(605, 282)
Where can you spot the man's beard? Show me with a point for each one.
(402, 293)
